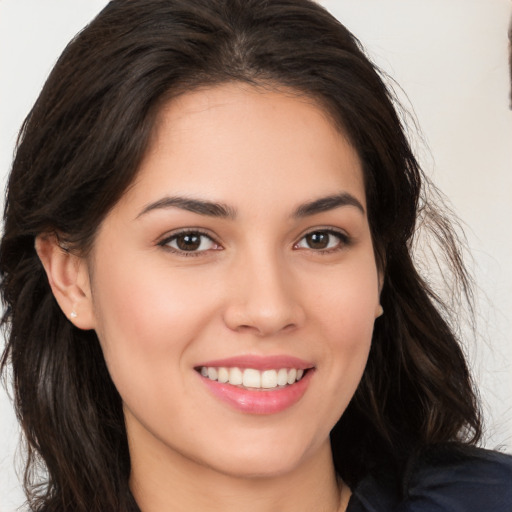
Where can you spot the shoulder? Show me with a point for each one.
(448, 478)
(461, 479)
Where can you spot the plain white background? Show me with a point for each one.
(450, 59)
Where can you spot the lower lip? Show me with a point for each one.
(260, 402)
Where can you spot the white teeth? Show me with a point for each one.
(223, 375)
(235, 376)
(251, 378)
(269, 379)
(282, 377)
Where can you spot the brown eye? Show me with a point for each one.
(318, 240)
(190, 241)
(322, 240)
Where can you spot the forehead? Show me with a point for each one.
(234, 136)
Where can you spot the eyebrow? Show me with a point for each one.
(200, 206)
(328, 203)
(221, 210)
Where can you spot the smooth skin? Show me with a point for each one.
(260, 267)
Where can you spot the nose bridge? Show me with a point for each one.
(263, 293)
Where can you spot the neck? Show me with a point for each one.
(169, 481)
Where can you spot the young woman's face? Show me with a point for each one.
(234, 286)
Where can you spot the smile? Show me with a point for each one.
(251, 378)
(256, 384)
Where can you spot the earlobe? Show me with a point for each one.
(68, 277)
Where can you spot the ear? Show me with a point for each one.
(68, 276)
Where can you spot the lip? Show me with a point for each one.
(260, 363)
(251, 401)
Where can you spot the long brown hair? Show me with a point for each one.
(80, 148)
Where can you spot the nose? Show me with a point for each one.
(264, 297)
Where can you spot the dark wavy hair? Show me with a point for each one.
(80, 148)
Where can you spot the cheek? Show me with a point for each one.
(146, 316)
(344, 313)
(146, 326)
(346, 301)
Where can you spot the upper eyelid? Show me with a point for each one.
(162, 240)
(345, 239)
(165, 244)
(329, 229)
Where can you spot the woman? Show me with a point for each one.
(211, 300)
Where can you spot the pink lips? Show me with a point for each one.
(260, 362)
(259, 401)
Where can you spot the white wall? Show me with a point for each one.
(449, 56)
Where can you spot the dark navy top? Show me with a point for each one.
(444, 479)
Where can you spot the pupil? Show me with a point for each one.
(318, 240)
(188, 242)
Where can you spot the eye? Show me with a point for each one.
(323, 240)
(189, 242)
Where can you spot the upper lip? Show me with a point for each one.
(259, 362)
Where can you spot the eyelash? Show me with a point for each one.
(191, 232)
(344, 241)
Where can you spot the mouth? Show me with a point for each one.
(252, 378)
(257, 385)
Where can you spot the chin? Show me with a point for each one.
(257, 467)
(273, 460)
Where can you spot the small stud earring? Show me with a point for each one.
(73, 314)
(380, 311)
